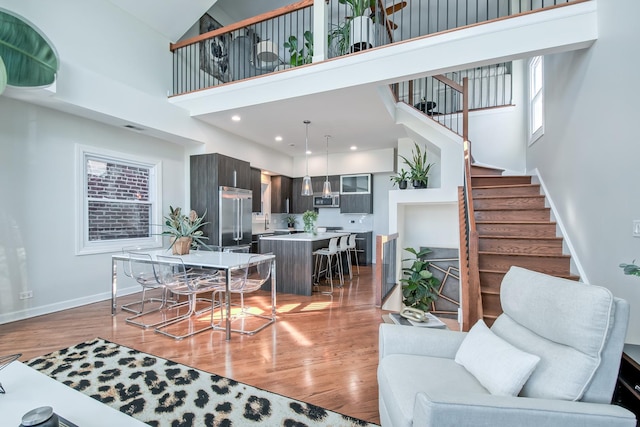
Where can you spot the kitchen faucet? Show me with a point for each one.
(266, 221)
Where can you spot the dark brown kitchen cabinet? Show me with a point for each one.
(256, 189)
(356, 203)
(208, 172)
(281, 194)
(299, 203)
(364, 243)
(233, 172)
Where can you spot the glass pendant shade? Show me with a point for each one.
(307, 190)
(326, 188)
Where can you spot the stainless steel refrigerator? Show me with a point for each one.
(235, 217)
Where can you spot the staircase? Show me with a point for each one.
(514, 228)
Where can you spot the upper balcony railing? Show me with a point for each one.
(315, 30)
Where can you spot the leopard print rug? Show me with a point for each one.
(160, 392)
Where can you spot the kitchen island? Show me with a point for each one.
(294, 258)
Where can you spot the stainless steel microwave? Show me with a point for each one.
(326, 202)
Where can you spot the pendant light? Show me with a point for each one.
(326, 188)
(306, 181)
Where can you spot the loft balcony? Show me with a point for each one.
(313, 47)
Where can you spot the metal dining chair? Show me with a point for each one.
(179, 280)
(247, 279)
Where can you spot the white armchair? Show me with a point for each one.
(562, 339)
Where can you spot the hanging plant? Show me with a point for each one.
(29, 59)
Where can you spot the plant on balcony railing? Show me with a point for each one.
(302, 55)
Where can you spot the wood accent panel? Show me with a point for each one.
(294, 264)
(322, 349)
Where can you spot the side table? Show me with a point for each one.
(627, 392)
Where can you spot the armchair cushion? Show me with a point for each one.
(499, 366)
(568, 338)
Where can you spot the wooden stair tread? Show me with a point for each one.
(521, 238)
(500, 197)
(523, 254)
(562, 276)
(491, 187)
(517, 222)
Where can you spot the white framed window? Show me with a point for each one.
(536, 99)
(119, 201)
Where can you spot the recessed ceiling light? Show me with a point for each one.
(278, 138)
(235, 118)
(353, 148)
(308, 152)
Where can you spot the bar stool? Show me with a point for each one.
(353, 251)
(328, 253)
(343, 248)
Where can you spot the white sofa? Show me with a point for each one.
(553, 361)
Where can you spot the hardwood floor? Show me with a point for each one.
(322, 349)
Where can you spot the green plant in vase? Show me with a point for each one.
(630, 269)
(291, 221)
(184, 230)
(309, 219)
(419, 167)
(419, 286)
(401, 178)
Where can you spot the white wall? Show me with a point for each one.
(588, 156)
(37, 214)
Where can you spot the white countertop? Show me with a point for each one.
(306, 237)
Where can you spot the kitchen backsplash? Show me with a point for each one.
(327, 217)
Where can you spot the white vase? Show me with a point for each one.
(361, 34)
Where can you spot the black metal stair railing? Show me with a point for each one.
(488, 86)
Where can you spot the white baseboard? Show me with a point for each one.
(563, 231)
(63, 305)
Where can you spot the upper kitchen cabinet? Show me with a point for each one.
(256, 189)
(317, 183)
(281, 194)
(356, 194)
(233, 172)
(299, 203)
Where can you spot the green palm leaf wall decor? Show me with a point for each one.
(3, 76)
(28, 58)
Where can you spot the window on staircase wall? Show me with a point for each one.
(536, 99)
(118, 201)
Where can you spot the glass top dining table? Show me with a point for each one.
(224, 261)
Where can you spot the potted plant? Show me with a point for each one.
(309, 218)
(400, 179)
(301, 56)
(291, 221)
(419, 168)
(357, 31)
(419, 286)
(184, 230)
(631, 269)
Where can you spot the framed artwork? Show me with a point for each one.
(214, 53)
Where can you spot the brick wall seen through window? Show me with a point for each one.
(118, 202)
